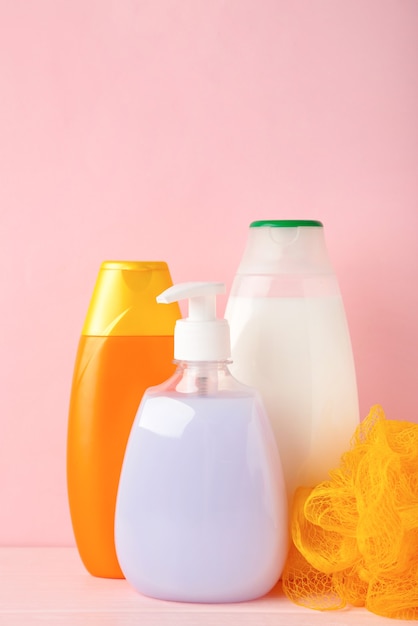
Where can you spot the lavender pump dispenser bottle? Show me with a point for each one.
(201, 512)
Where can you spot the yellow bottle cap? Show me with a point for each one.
(124, 300)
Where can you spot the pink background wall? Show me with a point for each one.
(159, 130)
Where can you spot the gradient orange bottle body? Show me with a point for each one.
(126, 346)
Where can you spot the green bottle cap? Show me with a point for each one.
(285, 223)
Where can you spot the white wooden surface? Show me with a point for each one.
(51, 586)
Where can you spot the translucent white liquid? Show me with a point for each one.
(297, 353)
(201, 513)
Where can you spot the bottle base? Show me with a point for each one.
(204, 597)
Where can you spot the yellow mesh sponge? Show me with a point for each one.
(355, 536)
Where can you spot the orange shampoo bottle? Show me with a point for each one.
(126, 346)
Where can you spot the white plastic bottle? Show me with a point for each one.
(290, 340)
(201, 513)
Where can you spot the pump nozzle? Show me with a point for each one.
(201, 336)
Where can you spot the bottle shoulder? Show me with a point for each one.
(208, 380)
(165, 413)
(246, 393)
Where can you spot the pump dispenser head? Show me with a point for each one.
(201, 336)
